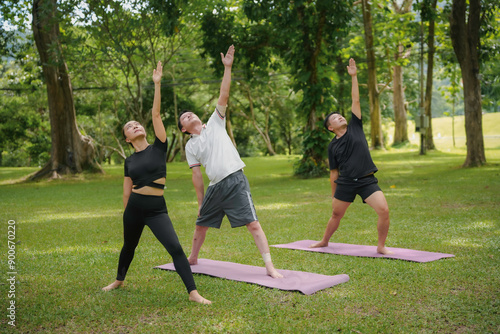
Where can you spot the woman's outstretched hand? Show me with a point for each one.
(227, 60)
(157, 73)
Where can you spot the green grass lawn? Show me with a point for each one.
(443, 133)
(69, 235)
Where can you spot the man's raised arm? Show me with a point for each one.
(225, 86)
(356, 106)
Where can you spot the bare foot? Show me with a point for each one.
(319, 244)
(384, 251)
(271, 271)
(274, 274)
(192, 260)
(112, 286)
(194, 296)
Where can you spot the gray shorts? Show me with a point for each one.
(230, 197)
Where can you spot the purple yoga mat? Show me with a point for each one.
(366, 251)
(307, 283)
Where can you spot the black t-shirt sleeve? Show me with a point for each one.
(159, 144)
(356, 121)
(125, 167)
(331, 156)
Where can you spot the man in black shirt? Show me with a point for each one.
(352, 169)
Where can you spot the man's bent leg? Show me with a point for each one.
(378, 202)
(200, 233)
(339, 209)
(261, 241)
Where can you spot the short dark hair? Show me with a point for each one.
(179, 125)
(325, 121)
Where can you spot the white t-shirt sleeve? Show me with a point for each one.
(191, 157)
(218, 118)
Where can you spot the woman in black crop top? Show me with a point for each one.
(145, 173)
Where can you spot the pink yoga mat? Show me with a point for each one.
(366, 251)
(307, 283)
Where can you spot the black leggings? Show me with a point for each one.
(144, 210)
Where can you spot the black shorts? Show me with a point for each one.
(230, 196)
(347, 190)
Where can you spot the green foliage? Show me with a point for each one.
(489, 32)
(223, 26)
(490, 51)
(219, 29)
(5, 37)
(451, 91)
(24, 123)
(169, 14)
(262, 95)
(314, 162)
(306, 35)
(111, 53)
(124, 40)
(307, 168)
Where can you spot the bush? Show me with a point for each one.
(312, 164)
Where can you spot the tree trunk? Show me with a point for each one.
(465, 39)
(176, 118)
(398, 97)
(263, 134)
(71, 151)
(398, 102)
(429, 139)
(377, 139)
(312, 162)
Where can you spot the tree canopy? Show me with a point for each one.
(289, 71)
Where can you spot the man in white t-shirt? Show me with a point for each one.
(228, 192)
